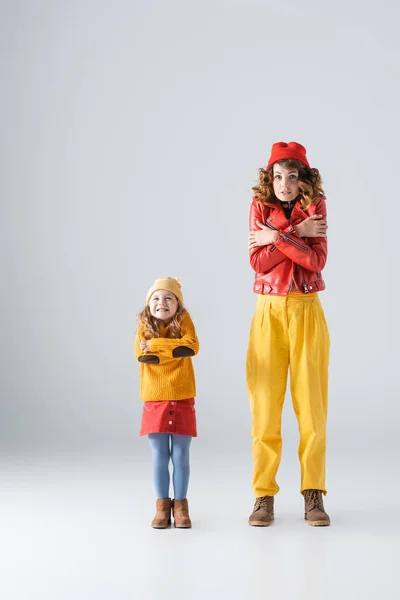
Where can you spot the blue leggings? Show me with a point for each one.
(165, 446)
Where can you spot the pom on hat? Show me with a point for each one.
(166, 283)
(282, 150)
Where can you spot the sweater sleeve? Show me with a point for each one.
(138, 339)
(311, 254)
(187, 345)
(141, 355)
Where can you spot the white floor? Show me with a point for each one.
(79, 530)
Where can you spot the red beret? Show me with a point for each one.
(282, 150)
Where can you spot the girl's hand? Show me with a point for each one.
(314, 226)
(263, 237)
(144, 346)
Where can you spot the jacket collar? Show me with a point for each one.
(277, 214)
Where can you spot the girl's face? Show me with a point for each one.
(285, 183)
(163, 305)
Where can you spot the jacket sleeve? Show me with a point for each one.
(262, 258)
(310, 254)
(187, 345)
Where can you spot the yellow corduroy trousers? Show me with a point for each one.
(288, 332)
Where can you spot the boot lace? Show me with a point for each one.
(263, 501)
(314, 499)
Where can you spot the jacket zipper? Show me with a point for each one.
(288, 239)
(273, 247)
(303, 283)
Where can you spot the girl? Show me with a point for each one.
(288, 250)
(165, 342)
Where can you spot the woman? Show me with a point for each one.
(288, 251)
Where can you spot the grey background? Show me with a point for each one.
(131, 135)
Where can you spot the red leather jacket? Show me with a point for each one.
(291, 257)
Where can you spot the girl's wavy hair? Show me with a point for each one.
(310, 183)
(152, 325)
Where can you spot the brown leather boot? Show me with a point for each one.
(180, 512)
(163, 514)
(263, 512)
(314, 509)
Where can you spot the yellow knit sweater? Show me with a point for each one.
(172, 378)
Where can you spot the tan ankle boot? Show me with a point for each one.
(314, 509)
(263, 512)
(180, 512)
(163, 514)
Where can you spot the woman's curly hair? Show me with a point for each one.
(152, 325)
(310, 183)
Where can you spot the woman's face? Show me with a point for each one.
(285, 183)
(163, 305)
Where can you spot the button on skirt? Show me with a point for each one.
(177, 417)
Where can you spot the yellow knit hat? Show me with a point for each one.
(166, 283)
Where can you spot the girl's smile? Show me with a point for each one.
(163, 305)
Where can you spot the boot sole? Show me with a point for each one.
(260, 523)
(182, 526)
(318, 523)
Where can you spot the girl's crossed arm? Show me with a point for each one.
(187, 345)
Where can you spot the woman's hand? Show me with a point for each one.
(263, 237)
(314, 226)
(144, 346)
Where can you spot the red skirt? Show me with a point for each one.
(177, 417)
